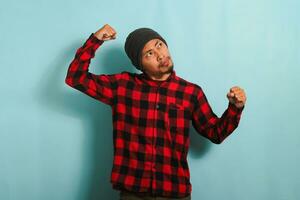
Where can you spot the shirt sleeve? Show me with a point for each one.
(208, 124)
(100, 87)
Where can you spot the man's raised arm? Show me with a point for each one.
(208, 124)
(100, 87)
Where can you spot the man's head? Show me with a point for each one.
(148, 52)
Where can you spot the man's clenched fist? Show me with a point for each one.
(237, 96)
(106, 33)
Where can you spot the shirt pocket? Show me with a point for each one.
(177, 124)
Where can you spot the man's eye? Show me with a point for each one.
(159, 44)
(149, 54)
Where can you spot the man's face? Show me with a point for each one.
(155, 59)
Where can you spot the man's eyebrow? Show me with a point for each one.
(151, 49)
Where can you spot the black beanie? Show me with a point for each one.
(136, 41)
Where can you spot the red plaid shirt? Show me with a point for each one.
(151, 122)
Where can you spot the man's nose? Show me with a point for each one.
(160, 56)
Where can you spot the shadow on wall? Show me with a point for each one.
(95, 118)
(199, 145)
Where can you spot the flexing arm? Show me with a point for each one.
(100, 87)
(208, 124)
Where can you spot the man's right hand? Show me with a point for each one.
(106, 33)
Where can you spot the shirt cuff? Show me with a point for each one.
(94, 39)
(233, 110)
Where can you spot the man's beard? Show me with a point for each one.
(169, 70)
(162, 73)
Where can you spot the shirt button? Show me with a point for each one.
(157, 106)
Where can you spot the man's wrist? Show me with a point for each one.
(233, 109)
(96, 39)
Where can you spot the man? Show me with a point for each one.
(151, 115)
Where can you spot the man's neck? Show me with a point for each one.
(161, 78)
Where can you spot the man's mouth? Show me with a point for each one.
(165, 63)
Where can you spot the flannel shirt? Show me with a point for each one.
(151, 122)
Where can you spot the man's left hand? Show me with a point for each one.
(237, 96)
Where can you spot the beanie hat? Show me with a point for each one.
(136, 41)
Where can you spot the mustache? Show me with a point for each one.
(163, 61)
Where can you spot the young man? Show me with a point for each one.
(151, 115)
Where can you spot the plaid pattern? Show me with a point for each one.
(151, 122)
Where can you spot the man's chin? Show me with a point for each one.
(169, 69)
(164, 70)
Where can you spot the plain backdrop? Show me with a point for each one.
(56, 143)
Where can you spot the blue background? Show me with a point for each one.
(56, 143)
